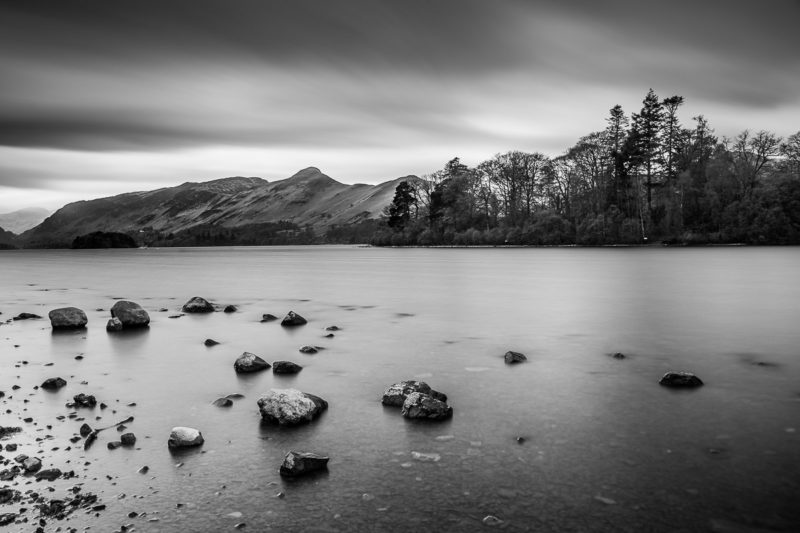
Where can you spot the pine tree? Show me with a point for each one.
(648, 125)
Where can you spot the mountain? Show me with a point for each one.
(309, 198)
(7, 239)
(23, 219)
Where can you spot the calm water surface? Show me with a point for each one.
(605, 447)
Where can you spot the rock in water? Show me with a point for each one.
(84, 400)
(26, 316)
(32, 464)
(127, 439)
(680, 379)
(293, 319)
(230, 309)
(114, 324)
(249, 362)
(53, 383)
(130, 314)
(181, 437)
(50, 474)
(309, 350)
(300, 463)
(267, 317)
(419, 405)
(286, 367)
(290, 407)
(210, 342)
(514, 357)
(397, 393)
(222, 402)
(197, 305)
(68, 318)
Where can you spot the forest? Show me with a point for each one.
(646, 178)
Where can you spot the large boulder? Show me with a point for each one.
(197, 305)
(249, 362)
(181, 437)
(300, 463)
(293, 319)
(289, 407)
(130, 314)
(419, 405)
(396, 394)
(68, 318)
(680, 380)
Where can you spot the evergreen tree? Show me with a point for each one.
(648, 125)
(400, 209)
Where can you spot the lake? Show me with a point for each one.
(571, 440)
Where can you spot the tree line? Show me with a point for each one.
(645, 178)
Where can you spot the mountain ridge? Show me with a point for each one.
(308, 198)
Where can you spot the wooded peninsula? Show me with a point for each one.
(645, 178)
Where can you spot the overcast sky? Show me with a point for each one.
(101, 97)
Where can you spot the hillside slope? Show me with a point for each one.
(309, 198)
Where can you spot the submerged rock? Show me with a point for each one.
(26, 316)
(197, 305)
(181, 437)
(230, 309)
(680, 380)
(266, 317)
(222, 402)
(300, 463)
(53, 383)
(68, 318)
(131, 314)
(290, 406)
(396, 394)
(514, 357)
(114, 324)
(420, 405)
(286, 367)
(249, 362)
(293, 319)
(309, 350)
(618, 355)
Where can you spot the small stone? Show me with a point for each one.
(50, 474)
(113, 445)
(249, 362)
(223, 402)
(53, 383)
(286, 367)
(128, 439)
(210, 342)
(308, 350)
(680, 380)
(184, 436)
(491, 521)
(603, 499)
(230, 309)
(514, 357)
(85, 430)
(301, 463)
(143, 470)
(197, 305)
(266, 317)
(114, 324)
(84, 400)
(333, 328)
(618, 355)
(293, 319)
(32, 464)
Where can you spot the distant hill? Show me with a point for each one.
(7, 239)
(23, 219)
(309, 198)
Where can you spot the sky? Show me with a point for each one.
(101, 97)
